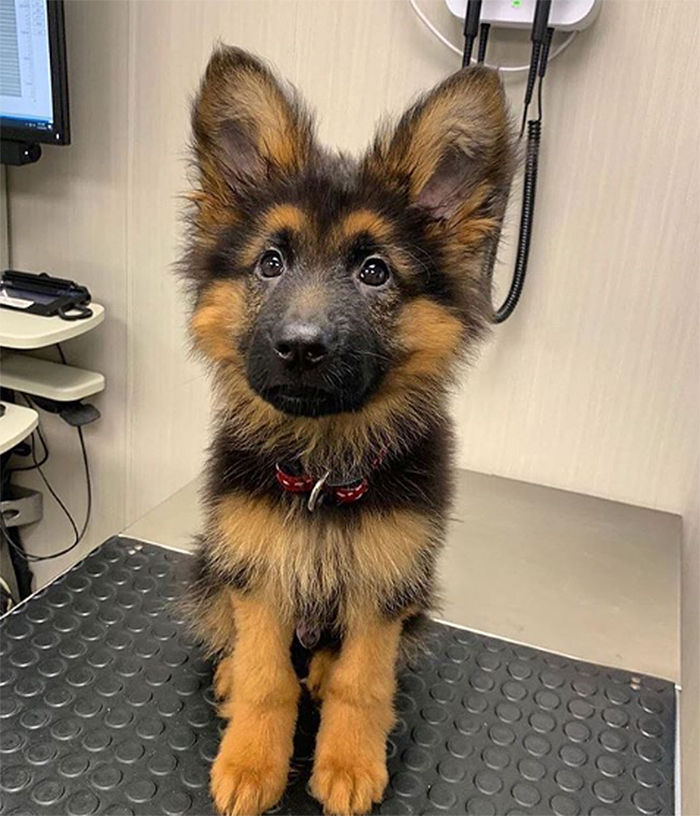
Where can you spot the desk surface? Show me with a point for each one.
(573, 574)
(19, 330)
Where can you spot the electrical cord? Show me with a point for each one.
(78, 535)
(49, 487)
(527, 213)
(534, 135)
(541, 38)
(483, 42)
(471, 29)
(24, 468)
(530, 85)
(506, 69)
(544, 55)
(5, 587)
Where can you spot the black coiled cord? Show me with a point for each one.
(534, 135)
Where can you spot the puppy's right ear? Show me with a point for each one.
(247, 128)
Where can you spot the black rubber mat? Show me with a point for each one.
(106, 707)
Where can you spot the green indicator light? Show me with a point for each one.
(516, 3)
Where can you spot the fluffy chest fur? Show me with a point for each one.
(320, 568)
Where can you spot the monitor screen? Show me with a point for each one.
(33, 102)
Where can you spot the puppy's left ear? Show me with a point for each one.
(451, 154)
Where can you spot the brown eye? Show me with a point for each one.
(271, 264)
(374, 272)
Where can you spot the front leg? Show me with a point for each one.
(356, 717)
(250, 771)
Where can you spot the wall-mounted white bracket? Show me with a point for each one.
(565, 15)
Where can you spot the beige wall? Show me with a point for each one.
(589, 386)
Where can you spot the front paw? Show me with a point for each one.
(349, 785)
(241, 786)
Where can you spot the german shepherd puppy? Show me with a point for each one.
(333, 299)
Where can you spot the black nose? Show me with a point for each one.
(301, 345)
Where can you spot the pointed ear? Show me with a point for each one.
(246, 127)
(452, 152)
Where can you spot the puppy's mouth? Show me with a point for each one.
(309, 401)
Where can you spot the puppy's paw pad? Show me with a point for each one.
(346, 788)
(240, 790)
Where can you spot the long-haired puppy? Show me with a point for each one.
(333, 299)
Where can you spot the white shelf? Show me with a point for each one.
(19, 330)
(42, 378)
(15, 424)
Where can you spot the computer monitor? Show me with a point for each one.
(33, 78)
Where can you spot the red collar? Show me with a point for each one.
(318, 487)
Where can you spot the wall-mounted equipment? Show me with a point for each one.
(543, 18)
(33, 79)
(565, 15)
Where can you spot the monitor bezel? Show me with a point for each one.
(59, 134)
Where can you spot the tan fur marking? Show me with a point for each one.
(357, 714)
(223, 678)
(285, 217)
(218, 319)
(290, 554)
(470, 228)
(278, 218)
(319, 671)
(365, 221)
(431, 337)
(250, 771)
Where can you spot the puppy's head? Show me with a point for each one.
(325, 285)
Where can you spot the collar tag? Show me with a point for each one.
(316, 495)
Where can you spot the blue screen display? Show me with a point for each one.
(25, 69)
